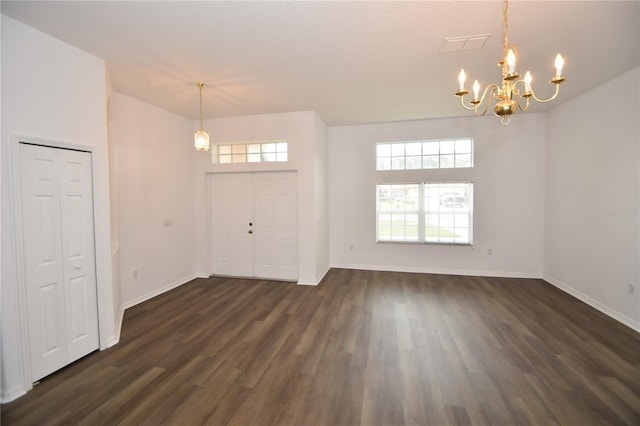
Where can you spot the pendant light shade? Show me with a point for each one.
(201, 140)
(201, 137)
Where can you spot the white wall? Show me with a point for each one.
(155, 184)
(508, 179)
(592, 198)
(55, 93)
(300, 130)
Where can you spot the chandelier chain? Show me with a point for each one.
(506, 28)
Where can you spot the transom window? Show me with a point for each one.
(438, 213)
(276, 151)
(438, 154)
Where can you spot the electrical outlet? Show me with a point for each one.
(489, 251)
(135, 274)
(632, 288)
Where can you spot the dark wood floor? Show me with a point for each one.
(364, 348)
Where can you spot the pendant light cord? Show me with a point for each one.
(200, 85)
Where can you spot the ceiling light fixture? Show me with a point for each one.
(510, 96)
(201, 136)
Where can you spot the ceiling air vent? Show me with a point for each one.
(458, 44)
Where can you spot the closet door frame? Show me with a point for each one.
(18, 247)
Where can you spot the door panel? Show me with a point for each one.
(78, 250)
(49, 298)
(231, 206)
(276, 226)
(43, 259)
(59, 256)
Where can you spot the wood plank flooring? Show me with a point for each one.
(364, 348)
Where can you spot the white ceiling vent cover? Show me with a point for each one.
(458, 44)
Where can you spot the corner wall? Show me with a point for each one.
(321, 179)
(593, 198)
(56, 93)
(118, 310)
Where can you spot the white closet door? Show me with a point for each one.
(254, 225)
(59, 256)
(78, 251)
(40, 175)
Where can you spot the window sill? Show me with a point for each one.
(424, 243)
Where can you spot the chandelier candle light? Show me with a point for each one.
(201, 136)
(513, 94)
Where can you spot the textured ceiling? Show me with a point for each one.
(352, 62)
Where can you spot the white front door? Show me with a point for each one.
(254, 225)
(232, 209)
(276, 231)
(59, 256)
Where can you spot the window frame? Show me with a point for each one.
(422, 213)
(398, 154)
(246, 153)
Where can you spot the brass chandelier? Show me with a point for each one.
(513, 93)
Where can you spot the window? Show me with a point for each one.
(439, 154)
(276, 151)
(447, 212)
(425, 212)
(398, 212)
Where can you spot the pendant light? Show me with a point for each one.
(201, 136)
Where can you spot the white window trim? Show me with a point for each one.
(421, 216)
(422, 154)
(215, 151)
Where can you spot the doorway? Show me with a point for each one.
(253, 220)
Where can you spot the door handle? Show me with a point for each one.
(78, 267)
(250, 231)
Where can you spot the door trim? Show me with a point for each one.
(21, 290)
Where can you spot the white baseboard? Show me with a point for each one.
(159, 291)
(12, 394)
(427, 270)
(315, 281)
(629, 322)
(115, 339)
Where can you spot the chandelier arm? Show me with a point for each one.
(518, 97)
(526, 105)
(490, 89)
(474, 107)
(468, 108)
(543, 101)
